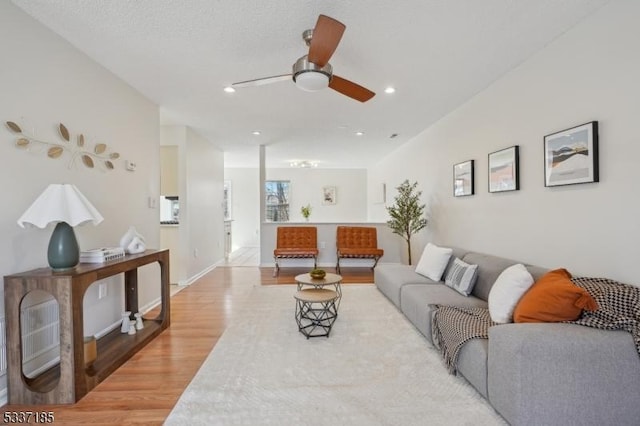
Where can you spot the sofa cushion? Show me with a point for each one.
(563, 374)
(505, 294)
(415, 300)
(433, 261)
(461, 277)
(390, 277)
(553, 298)
(472, 363)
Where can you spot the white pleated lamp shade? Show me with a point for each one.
(60, 203)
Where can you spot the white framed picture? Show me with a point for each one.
(329, 195)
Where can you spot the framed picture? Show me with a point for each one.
(571, 156)
(329, 195)
(227, 200)
(503, 170)
(463, 179)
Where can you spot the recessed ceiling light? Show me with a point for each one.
(359, 133)
(389, 90)
(229, 89)
(255, 133)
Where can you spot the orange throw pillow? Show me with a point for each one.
(553, 298)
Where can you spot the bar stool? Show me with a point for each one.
(316, 311)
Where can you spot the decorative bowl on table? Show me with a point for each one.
(317, 274)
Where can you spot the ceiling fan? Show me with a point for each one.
(313, 71)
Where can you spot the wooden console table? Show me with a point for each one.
(69, 381)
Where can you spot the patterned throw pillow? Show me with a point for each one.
(461, 277)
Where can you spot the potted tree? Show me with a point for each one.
(407, 214)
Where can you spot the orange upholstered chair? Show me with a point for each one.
(357, 242)
(296, 242)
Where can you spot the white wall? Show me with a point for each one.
(45, 81)
(306, 188)
(200, 187)
(203, 210)
(245, 206)
(589, 73)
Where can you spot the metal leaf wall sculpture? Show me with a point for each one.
(88, 157)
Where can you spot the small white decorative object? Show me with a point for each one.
(136, 246)
(125, 322)
(139, 323)
(132, 242)
(132, 327)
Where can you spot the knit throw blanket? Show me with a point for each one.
(618, 309)
(453, 326)
(618, 306)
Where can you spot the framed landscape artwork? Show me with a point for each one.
(463, 179)
(571, 156)
(503, 170)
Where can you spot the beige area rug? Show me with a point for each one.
(374, 369)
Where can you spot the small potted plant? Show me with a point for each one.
(306, 211)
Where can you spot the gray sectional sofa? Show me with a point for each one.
(531, 373)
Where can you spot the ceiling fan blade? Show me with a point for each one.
(350, 89)
(326, 36)
(261, 81)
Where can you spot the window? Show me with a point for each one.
(277, 200)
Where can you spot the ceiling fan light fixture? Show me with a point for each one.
(309, 76)
(312, 81)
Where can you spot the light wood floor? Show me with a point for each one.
(146, 388)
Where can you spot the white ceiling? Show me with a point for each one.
(182, 53)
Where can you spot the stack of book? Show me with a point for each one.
(101, 255)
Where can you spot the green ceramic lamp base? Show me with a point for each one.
(64, 252)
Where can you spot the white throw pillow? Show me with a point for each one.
(461, 277)
(506, 292)
(433, 261)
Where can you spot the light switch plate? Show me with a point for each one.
(102, 290)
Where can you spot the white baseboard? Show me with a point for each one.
(204, 272)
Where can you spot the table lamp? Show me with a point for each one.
(65, 205)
